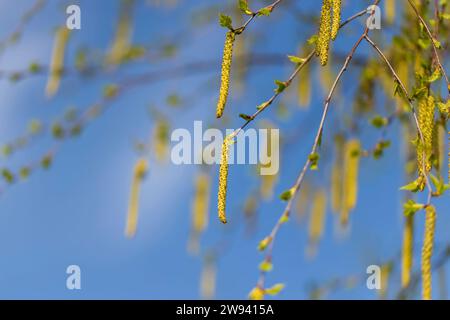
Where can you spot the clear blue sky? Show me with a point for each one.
(75, 213)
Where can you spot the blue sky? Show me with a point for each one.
(75, 212)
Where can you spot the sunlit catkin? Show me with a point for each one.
(57, 61)
(140, 169)
(317, 219)
(323, 40)
(200, 203)
(427, 251)
(350, 179)
(424, 148)
(337, 174)
(407, 250)
(223, 179)
(390, 10)
(337, 4)
(225, 77)
(121, 43)
(304, 87)
(161, 139)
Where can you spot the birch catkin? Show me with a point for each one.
(427, 251)
(323, 41)
(425, 147)
(226, 69)
(317, 220)
(57, 61)
(337, 4)
(336, 175)
(223, 179)
(350, 179)
(140, 169)
(200, 204)
(407, 250)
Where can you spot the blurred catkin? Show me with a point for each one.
(323, 41)
(337, 4)
(407, 249)
(201, 203)
(337, 174)
(140, 169)
(208, 279)
(425, 147)
(317, 216)
(57, 61)
(161, 139)
(427, 251)
(121, 43)
(304, 87)
(225, 76)
(350, 179)
(223, 180)
(390, 10)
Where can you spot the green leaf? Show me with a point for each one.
(225, 21)
(314, 158)
(379, 122)
(243, 5)
(411, 207)
(287, 195)
(266, 266)
(413, 186)
(246, 117)
(295, 59)
(281, 85)
(274, 290)
(265, 11)
(264, 243)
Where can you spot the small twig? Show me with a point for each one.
(435, 50)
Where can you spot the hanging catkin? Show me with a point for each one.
(317, 221)
(140, 169)
(208, 279)
(225, 76)
(323, 40)
(121, 44)
(223, 179)
(427, 251)
(390, 10)
(425, 147)
(161, 139)
(337, 174)
(57, 61)
(304, 87)
(337, 4)
(350, 179)
(201, 203)
(407, 250)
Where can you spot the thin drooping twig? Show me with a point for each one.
(306, 166)
(413, 110)
(435, 49)
(254, 15)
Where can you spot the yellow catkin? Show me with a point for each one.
(304, 87)
(350, 179)
(438, 146)
(337, 174)
(424, 148)
(208, 279)
(140, 169)
(57, 61)
(386, 270)
(337, 4)
(390, 10)
(225, 76)
(121, 44)
(427, 251)
(161, 139)
(200, 204)
(407, 250)
(317, 219)
(323, 40)
(223, 180)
